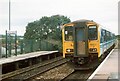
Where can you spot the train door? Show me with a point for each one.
(80, 41)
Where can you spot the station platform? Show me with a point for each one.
(108, 69)
(24, 56)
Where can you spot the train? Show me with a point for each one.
(86, 42)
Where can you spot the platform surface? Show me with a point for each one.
(108, 69)
(24, 56)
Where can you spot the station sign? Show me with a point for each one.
(12, 32)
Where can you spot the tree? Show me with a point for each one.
(46, 28)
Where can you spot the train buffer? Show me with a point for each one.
(108, 69)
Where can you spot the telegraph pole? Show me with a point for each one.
(9, 28)
(9, 15)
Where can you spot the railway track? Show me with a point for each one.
(31, 71)
(82, 75)
(78, 76)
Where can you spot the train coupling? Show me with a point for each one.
(81, 61)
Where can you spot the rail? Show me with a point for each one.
(34, 70)
(78, 75)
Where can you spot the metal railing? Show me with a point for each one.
(27, 46)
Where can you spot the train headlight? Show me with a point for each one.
(93, 49)
(69, 50)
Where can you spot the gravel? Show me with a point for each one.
(56, 74)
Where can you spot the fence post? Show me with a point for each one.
(21, 46)
(9, 44)
(47, 48)
(6, 44)
(16, 44)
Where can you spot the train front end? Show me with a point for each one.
(85, 43)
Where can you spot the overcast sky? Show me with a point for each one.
(105, 12)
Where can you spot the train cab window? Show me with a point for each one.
(92, 33)
(69, 33)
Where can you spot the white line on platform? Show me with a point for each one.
(91, 77)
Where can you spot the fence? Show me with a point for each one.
(33, 45)
(27, 46)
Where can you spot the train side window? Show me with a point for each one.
(102, 36)
(113, 36)
(105, 36)
(110, 35)
(104, 39)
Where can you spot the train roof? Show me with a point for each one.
(81, 21)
